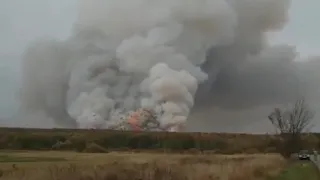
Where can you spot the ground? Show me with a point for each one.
(299, 170)
(138, 166)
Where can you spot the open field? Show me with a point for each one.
(109, 141)
(61, 154)
(137, 166)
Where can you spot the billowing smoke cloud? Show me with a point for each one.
(161, 55)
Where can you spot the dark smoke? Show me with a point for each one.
(246, 76)
(242, 94)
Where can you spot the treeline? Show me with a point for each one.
(106, 141)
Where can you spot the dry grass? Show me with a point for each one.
(141, 166)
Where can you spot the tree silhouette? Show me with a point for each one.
(290, 124)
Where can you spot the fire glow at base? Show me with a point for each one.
(140, 120)
(139, 64)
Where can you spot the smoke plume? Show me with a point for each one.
(175, 57)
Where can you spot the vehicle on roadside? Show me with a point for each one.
(304, 155)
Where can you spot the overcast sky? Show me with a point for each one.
(303, 27)
(22, 21)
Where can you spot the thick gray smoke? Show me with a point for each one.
(161, 55)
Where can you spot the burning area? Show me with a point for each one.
(149, 64)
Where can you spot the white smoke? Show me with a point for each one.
(124, 55)
(155, 48)
(173, 91)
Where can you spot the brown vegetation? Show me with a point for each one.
(184, 156)
(290, 124)
(117, 166)
(196, 153)
(107, 141)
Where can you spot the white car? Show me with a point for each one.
(304, 155)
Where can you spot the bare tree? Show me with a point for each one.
(291, 123)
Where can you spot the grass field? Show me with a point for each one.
(299, 171)
(55, 165)
(114, 155)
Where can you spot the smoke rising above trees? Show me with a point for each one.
(179, 56)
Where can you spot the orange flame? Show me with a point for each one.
(134, 120)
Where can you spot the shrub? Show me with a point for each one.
(94, 148)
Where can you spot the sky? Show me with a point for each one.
(21, 22)
(301, 29)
